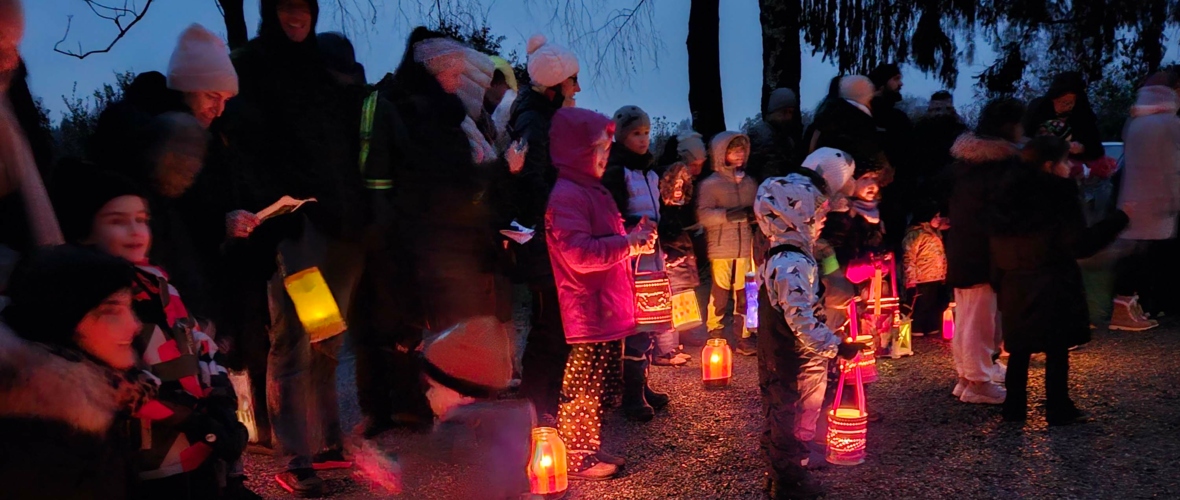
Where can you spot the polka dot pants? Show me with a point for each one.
(579, 420)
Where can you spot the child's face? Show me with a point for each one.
(601, 154)
(638, 140)
(867, 187)
(940, 223)
(108, 330)
(735, 155)
(121, 229)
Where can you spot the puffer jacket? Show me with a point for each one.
(979, 162)
(584, 231)
(786, 209)
(719, 193)
(925, 257)
(1151, 178)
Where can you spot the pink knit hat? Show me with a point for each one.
(200, 63)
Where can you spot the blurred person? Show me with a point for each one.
(925, 269)
(776, 139)
(591, 254)
(1065, 112)
(683, 159)
(1037, 235)
(897, 143)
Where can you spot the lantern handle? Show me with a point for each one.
(859, 377)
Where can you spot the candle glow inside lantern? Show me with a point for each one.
(716, 363)
(948, 322)
(848, 427)
(751, 301)
(903, 339)
(314, 304)
(547, 467)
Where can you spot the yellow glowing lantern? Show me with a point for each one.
(848, 427)
(903, 339)
(314, 304)
(547, 467)
(716, 363)
(686, 311)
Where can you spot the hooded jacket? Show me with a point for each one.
(719, 193)
(587, 242)
(979, 162)
(1151, 176)
(787, 209)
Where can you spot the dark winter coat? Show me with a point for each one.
(853, 236)
(122, 138)
(1037, 234)
(774, 150)
(64, 425)
(934, 136)
(531, 116)
(845, 127)
(676, 241)
(1081, 126)
(979, 162)
(897, 143)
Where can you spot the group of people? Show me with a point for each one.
(139, 276)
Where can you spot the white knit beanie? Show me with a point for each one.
(201, 63)
(549, 63)
(835, 166)
(857, 88)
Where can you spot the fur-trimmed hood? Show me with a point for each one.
(977, 149)
(37, 383)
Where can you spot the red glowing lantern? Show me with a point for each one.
(547, 468)
(948, 322)
(848, 427)
(716, 363)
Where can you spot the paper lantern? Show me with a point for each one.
(867, 360)
(547, 467)
(686, 311)
(948, 322)
(653, 298)
(716, 363)
(314, 304)
(903, 340)
(848, 427)
(751, 302)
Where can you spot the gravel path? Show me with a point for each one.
(705, 445)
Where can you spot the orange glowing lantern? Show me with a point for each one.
(314, 304)
(716, 363)
(547, 468)
(948, 322)
(848, 427)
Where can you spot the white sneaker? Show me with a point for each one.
(984, 393)
(999, 373)
(960, 386)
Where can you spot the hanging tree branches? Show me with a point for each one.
(124, 18)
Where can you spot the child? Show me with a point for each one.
(192, 432)
(480, 443)
(925, 269)
(634, 184)
(1037, 234)
(590, 252)
(684, 157)
(795, 347)
(725, 207)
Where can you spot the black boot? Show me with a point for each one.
(657, 400)
(635, 405)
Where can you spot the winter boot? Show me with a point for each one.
(985, 393)
(1124, 317)
(635, 406)
(657, 400)
(747, 346)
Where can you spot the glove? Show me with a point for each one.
(642, 238)
(739, 214)
(849, 350)
(219, 429)
(240, 223)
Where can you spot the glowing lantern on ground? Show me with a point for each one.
(751, 302)
(903, 338)
(686, 311)
(948, 322)
(547, 467)
(716, 363)
(848, 427)
(314, 304)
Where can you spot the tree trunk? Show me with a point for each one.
(704, 67)
(782, 54)
(235, 22)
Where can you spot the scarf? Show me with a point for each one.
(866, 209)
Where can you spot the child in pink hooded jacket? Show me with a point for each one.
(590, 252)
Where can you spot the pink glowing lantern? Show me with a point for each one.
(948, 322)
(848, 427)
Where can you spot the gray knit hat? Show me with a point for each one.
(629, 118)
(780, 99)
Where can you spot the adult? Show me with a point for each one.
(775, 140)
(1038, 233)
(846, 123)
(980, 157)
(1065, 112)
(897, 142)
(934, 134)
(553, 83)
(293, 135)
(68, 378)
(1151, 189)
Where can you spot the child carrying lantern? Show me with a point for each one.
(795, 347)
(925, 268)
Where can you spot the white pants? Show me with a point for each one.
(977, 332)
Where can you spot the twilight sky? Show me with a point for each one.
(661, 89)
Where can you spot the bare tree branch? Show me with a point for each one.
(619, 39)
(115, 15)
